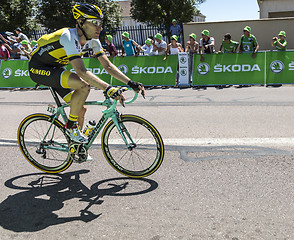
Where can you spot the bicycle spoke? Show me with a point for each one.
(43, 144)
(142, 157)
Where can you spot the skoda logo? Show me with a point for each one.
(277, 66)
(183, 60)
(6, 73)
(203, 68)
(123, 68)
(183, 72)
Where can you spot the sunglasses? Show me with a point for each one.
(96, 22)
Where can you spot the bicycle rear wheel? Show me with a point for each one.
(145, 150)
(44, 144)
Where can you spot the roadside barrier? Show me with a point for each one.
(183, 70)
(269, 67)
(150, 70)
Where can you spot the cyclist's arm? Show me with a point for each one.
(112, 69)
(116, 73)
(86, 75)
(95, 81)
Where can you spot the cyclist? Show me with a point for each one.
(57, 49)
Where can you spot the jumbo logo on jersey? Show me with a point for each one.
(40, 72)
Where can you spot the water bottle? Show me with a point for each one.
(89, 127)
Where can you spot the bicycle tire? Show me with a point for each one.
(142, 160)
(50, 156)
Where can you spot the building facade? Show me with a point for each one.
(276, 8)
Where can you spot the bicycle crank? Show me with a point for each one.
(78, 152)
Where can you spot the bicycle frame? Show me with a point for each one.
(110, 112)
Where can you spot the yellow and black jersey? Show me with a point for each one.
(58, 48)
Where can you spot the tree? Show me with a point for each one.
(56, 14)
(16, 13)
(162, 12)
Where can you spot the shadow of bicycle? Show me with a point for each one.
(41, 195)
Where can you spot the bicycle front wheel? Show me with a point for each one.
(144, 152)
(44, 144)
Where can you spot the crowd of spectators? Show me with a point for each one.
(15, 47)
(155, 45)
(20, 47)
(248, 43)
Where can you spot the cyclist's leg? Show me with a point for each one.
(77, 100)
(81, 118)
(66, 95)
(79, 96)
(62, 81)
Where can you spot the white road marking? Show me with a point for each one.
(197, 141)
(227, 141)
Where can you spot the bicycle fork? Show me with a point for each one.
(124, 134)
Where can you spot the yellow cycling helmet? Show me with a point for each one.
(86, 11)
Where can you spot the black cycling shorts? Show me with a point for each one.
(55, 77)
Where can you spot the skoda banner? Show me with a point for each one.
(15, 73)
(229, 69)
(149, 70)
(94, 66)
(270, 67)
(280, 67)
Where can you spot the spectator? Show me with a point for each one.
(159, 45)
(110, 48)
(248, 42)
(280, 43)
(192, 46)
(206, 44)
(129, 46)
(4, 53)
(3, 39)
(33, 43)
(12, 45)
(228, 45)
(25, 50)
(148, 48)
(20, 36)
(175, 29)
(174, 47)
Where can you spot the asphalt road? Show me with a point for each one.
(227, 173)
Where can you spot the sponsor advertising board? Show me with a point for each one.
(229, 69)
(269, 67)
(149, 70)
(280, 67)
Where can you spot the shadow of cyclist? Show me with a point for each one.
(33, 209)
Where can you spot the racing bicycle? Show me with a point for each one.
(130, 143)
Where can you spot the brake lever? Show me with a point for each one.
(143, 95)
(123, 103)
